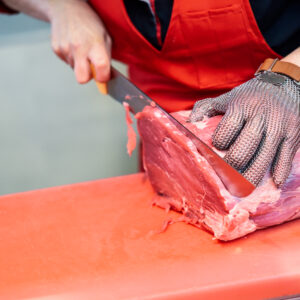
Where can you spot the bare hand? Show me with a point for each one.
(80, 38)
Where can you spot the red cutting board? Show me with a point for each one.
(97, 240)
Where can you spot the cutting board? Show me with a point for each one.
(101, 240)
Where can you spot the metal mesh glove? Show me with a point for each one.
(261, 125)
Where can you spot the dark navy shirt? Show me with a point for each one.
(278, 21)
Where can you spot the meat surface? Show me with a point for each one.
(184, 181)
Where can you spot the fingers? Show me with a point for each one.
(202, 108)
(209, 107)
(100, 58)
(81, 68)
(79, 56)
(80, 59)
(258, 168)
(228, 129)
(59, 51)
(283, 163)
(246, 144)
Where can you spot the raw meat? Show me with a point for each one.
(185, 182)
(131, 142)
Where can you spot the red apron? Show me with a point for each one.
(210, 47)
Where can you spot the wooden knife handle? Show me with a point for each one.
(102, 86)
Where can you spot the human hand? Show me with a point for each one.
(260, 126)
(80, 39)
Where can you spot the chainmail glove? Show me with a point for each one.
(261, 125)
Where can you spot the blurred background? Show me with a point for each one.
(53, 131)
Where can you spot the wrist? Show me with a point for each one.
(282, 67)
(56, 7)
(293, 57)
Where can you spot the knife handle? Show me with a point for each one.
(102, 86)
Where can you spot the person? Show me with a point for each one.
(180, 51)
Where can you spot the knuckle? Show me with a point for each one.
(200, 110)
(289, 144)
(256, 122)
(204, 108)
(207, 101)
(272, 144)
(196, 109)
(102, 64)
(75, 46)
(65, 48)
(55, 47)
(80, 46)
(197, 103)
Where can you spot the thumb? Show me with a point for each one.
(209, 107)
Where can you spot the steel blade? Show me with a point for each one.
(122, 90)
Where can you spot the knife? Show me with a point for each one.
(122, 90)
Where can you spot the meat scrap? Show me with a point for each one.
(185, 181)
(131, 142)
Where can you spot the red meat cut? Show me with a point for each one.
(184, 181)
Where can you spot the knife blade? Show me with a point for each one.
(122, 90)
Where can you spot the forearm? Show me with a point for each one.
(293, 57)
(40, 9)
(37, 9)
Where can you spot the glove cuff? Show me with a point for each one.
(281, 67)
